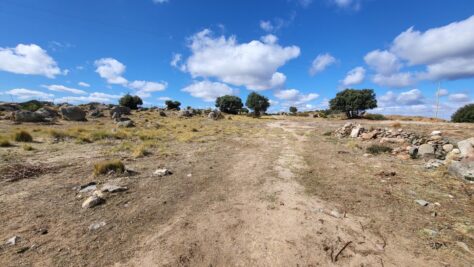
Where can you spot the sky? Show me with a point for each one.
(296, 52)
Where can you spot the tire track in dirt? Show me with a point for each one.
(265, 218)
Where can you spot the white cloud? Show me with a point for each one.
(145, 88)
(160, 1)
(62, 88)
(252, 64)
(293, 97)
(384, 62)
(347, 4)
(442, 92)
(176, 62)
(164, 98)
(111, 70)
(354, 77)
(207, 90)
(269, 39)
(459, 98)
(24, 94)
(266, 25)
(28, 59)
(412, 97)
(321, 62)
(93, 97)
(84, 84)
(396, 80)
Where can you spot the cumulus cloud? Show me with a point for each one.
(459, 98)
(176, 62)
(446, 53)
(442, 92)
(93, 97)
(412, 97)
(28, 59)
(207, 90)
(321, 62)
(266, 25)
(160, 1)
(293, 97)
(24, 94)
(84, 84)
(111, 70)
(253, 64)
(62, 88)
(352, 4)
(164, 98)
(269, 39)
(354, 77)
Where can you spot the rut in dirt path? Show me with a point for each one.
(264, 217)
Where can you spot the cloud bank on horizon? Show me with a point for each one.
(215, 63)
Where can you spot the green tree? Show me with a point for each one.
(229, 104)
(354, 102)
(131, 102)
(464, 114)
(258, 103)
(293, 110)
(244, 111)
(172, 105)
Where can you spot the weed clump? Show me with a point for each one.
(27, 147)
(107, 166)
(378, 149)
(22, 136)
(375, 117)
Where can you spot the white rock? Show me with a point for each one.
(162, 172)
(13, 240)
(422, 202)
(96, 226)
(111, 188)
(436, 133)
(92, 201)
(448, 147)
(466, 147)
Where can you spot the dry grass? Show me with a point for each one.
(19, 171)
(22, 136)
(5, 143)
(378, 149)
(106, 166)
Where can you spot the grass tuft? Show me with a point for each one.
(378, 149)
(22, 136)
(106, 166)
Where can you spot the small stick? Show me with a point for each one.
(340, 251)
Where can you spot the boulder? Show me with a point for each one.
(436, 133)
(162, 172)
(27, 116)
(392, 140)
(162, 113)
(413, 152)
(426, 151)
(369, 135)
(356, 131)
(112, 188)
(96, 113)
(96, 199)
(72, 113)
(462, 169)
(215, 115)
(126, 124)
(120, 110)
(466, 147)
(47, 113)
(448, 148)
(185, 113)
(9, 107)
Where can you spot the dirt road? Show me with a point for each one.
(263, 217)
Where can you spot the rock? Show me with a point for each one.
(436, 133)
(162, 172)
(422, 202)
(448, 148)
(463, 246)
(111, 188)
(96, 113)
(413, 152)
(93, 201)
(96, 226)
(429, 232)
(120, 110)
(9, 107)
(80, 187)
(434, 164)
(185, 113)
(47, 113)
(335, 214)
(27, 116)
(88, 188)
(215, 115)
(436, 137)
(456, 151)
(462, 169)
(392, 140)
(345, 130)
(466, 147)
(426, 151)
(162, 113)
(72, 113)
(356, 131)
(369, 135)
(126, 124)
(12, 240)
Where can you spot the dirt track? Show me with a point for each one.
(247, 202)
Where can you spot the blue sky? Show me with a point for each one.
(296, 52)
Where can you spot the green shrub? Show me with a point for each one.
(172, 105)
(22, 136)
(375, 117)
(131, 102)
(377, 149)
(229, 104)
(464, 114)
(106, 166)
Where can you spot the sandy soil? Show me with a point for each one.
(279, 194)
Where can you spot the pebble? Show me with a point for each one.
(93, 201)
(96, 226)
(422, 202)
(162, 172)
(13, 240)
(111, 188)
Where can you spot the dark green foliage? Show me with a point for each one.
(293, 110)
(244, 111)
(33, 105)
(354, 102)
(377, 149)
(258, 103)
(22, 136)
(375, 117)
(131, 102)
(229, 104)
(172, 105)
(464, 114)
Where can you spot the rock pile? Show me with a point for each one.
(435, 148)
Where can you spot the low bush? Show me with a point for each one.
(22, 136)
(375, 117)
(378, 149)
(106, 166)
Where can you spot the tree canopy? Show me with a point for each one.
(354, 102)
(229, 104)
(464, 114)
(293, 109)
(172, 105)
(258, 103)
(131, 102)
